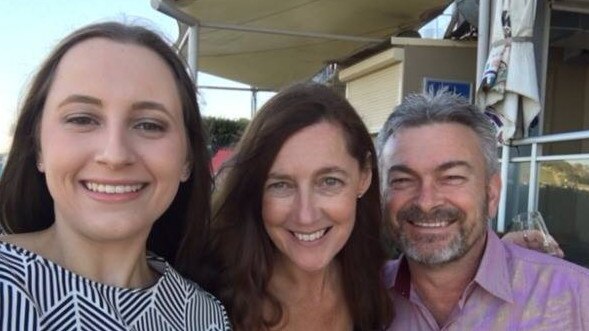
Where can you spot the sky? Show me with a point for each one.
(29, 29)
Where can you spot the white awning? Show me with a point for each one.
(271, 61)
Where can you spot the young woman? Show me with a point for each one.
(108, 174)
(297, 220)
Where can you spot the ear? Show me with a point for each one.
(186, 171)
(365, 178)
(493, 194)
(40, 164)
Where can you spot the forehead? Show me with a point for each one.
(99, 66)
(320, 144)
(428, 146)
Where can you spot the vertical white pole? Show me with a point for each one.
(533, 185)
(503, 197)
(254, 102)
(193, 52)
(483, 38)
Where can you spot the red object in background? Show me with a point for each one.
(220, 157)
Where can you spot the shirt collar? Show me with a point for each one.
(401, 279)
(492, 274)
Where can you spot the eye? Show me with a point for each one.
(150, 126)
(279, 188)
(277, 185)
(330, 185)
(331, 182)
(454, 179)
(81, 120)
(400, 183)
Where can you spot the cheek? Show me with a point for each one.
(273, 211)
(470, 200)
(394, 202)
(343, 215)
(167, 157)
(62, 157)
(343, 212)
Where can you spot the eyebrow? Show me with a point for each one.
(275, 176)
(322, 171)
(149, 105)
(79, 98)
(454, 164)
(401, 168)
(443, 167)
(329, 170)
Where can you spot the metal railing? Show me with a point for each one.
(534, 159)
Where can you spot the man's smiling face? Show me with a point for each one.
(437, 194)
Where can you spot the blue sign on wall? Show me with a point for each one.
(459, 87)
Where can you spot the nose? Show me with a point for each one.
(428, 196)
(308, 211)
(115, 149)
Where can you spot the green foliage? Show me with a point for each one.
(565, 173)
(224, 132)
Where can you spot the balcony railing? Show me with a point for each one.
(534, 159)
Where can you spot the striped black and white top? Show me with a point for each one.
(37, 294)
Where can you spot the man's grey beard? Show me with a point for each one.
(455, 249)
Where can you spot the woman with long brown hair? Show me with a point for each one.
(297, 219)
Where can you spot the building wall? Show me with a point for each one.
(375, 95)
(567, 101)
(378, 84)
(374, 86)
(452, 63)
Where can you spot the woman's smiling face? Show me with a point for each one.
(310, 195)
(113, 144)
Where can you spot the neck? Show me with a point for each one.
(441, 286)
(311, 300)
(308, 284)
(120, 263)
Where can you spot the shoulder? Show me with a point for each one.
(14, 295)
(528, 261)
(203, 308)
(13, 264)
(195, 294)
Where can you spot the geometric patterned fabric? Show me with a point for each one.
(37, 294)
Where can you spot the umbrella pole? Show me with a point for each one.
(483, 38)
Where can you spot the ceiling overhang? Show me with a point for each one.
(270, 61)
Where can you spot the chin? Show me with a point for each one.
(441, 254)
(312, 266)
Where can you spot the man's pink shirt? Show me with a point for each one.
(514, 289)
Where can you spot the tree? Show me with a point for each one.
(224, 132)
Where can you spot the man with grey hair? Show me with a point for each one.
(437, 156)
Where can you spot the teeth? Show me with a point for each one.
(112, 189)
(432, 225)
(310, 236)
